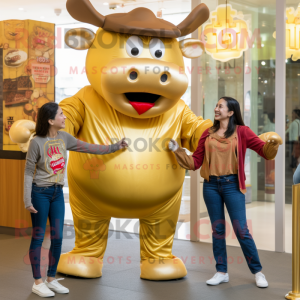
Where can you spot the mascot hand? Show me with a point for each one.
(273, 140)
(271, 137)
(21, 132)
(173, 145)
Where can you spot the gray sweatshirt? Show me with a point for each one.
(49, 157)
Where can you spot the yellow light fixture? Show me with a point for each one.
(227, 34)
(292, 28)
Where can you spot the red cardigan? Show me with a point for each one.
(246, 139)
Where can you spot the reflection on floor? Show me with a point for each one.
(260, 216)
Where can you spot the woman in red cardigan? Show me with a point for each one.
(221, 153)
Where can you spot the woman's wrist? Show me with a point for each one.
(114, 147)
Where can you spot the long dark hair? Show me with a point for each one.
(235, 119)
(47, 112)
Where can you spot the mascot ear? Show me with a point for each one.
(79, 38)
(191, 48)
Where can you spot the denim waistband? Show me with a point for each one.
(224, 176)
(53, 185)
(231, 177)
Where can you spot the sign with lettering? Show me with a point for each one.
(40, 73)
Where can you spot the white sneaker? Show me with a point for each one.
(42, 290)
(218, 278)
(261, 280)
(55, 286)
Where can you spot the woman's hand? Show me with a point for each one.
(173, 145)
(32, 209)
(122, 144)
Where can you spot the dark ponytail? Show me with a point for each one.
(47, 112)
(235, 119)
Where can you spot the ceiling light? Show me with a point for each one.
(262, 45)
(263, 63)
(105, 3)
(223, 22)
(21, 8)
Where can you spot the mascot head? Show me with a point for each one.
(134, 60)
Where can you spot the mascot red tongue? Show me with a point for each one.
(141, 107)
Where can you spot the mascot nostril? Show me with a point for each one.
(133, 75)
(164, 78)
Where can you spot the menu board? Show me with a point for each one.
(27, 72)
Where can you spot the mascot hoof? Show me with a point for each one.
(162, 269)
(81, 266)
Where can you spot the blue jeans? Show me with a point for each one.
(225, 190)
(49, 202)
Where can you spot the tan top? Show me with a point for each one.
(272, 141)
(221, 152)
(220, 156)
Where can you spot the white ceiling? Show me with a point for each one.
(44, 9)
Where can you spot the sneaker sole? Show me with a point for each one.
(58, 292)
(224, 281)
(42, 295)
(262, 287)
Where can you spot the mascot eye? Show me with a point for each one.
(157, 48)
(134, 46)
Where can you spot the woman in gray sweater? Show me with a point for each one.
(46, 161)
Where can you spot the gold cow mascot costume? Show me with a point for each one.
(135, 67)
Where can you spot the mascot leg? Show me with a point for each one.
(91, 234)
(156, 240)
